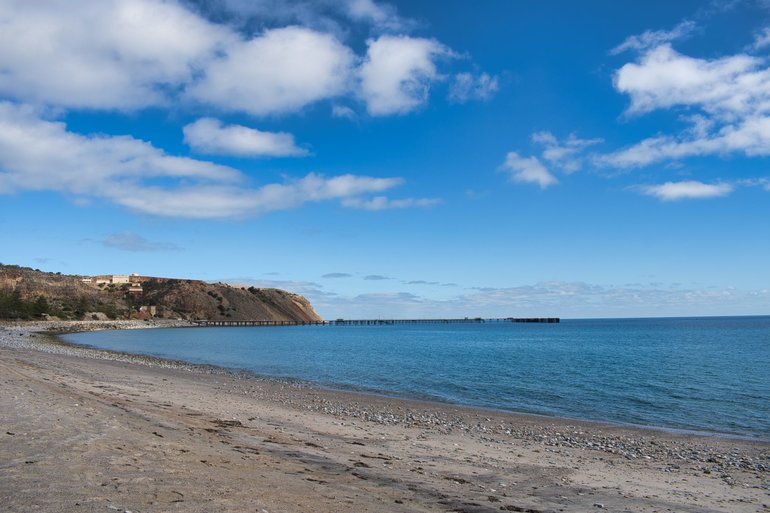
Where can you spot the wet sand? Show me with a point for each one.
(85, 430)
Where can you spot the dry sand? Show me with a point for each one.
(83, 430)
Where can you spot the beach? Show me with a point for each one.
(88, 430)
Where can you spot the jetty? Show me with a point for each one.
(372, 322)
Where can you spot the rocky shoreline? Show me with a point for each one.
(739, 465)
(641, 444)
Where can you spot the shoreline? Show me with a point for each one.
(54, 330)
(161, 428)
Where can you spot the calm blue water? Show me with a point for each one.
(703, 374)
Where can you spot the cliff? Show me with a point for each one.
(33, 294)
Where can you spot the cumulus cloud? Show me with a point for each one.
(466, 87)
(725, 87)
(281, 70)
(133, 54)
(42, 155)
(209, 136)
(129, 54)
(104, 54)
(397, 73)
(653, 38)
(730, 96)
(385, 203)
(130, 241)
(691, 189)
(528, 170)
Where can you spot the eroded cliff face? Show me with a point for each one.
(200, 300)
(31, 293)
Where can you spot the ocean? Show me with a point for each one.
(709, 375)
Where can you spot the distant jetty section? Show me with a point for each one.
(375, 322)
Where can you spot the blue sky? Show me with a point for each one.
(401, 159)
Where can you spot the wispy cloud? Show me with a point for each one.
(528, 170)
(762, 39)
(343, 111)
(466, 87)
(384, 203)
(210, 136)
(653, 38)
(382, 16)
(337, 275)
(691, 189)
(565, 156)
(555, 298)
(37, 154)
(130, 241)
(376, 277)
(568, 154)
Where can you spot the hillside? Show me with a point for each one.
(27, 293)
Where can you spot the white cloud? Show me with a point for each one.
(397, 73)
(209, 136)
(566, 154)
(41, 155)
(133, 54)
(528, 170)
(726, 87)
(343, 111)
(381, 16)
(652, 38)
(222, 202)
(731, 95)
(673, 191)
(750, 137)
(36, 154)
(384, 203)
(466, 87)
(326, 15)
(762, 40)
(103, 54)
(282, 70)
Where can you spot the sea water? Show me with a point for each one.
(698, 374)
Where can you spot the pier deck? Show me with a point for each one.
(373, 322)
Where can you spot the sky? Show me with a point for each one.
(397, 159)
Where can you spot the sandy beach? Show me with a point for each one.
(85, 430)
